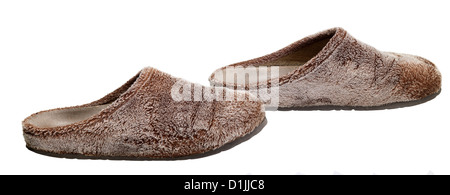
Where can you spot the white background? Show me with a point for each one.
(64, 53)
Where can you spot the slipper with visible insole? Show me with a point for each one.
(331, 68)
(152, 116)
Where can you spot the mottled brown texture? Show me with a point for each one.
(335, 69)
(142, 120)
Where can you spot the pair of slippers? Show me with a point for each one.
(157, 116)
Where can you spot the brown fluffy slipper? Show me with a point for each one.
(333, 69)
(152, 116)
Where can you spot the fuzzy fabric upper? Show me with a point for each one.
(144, 121)
(346, 72)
